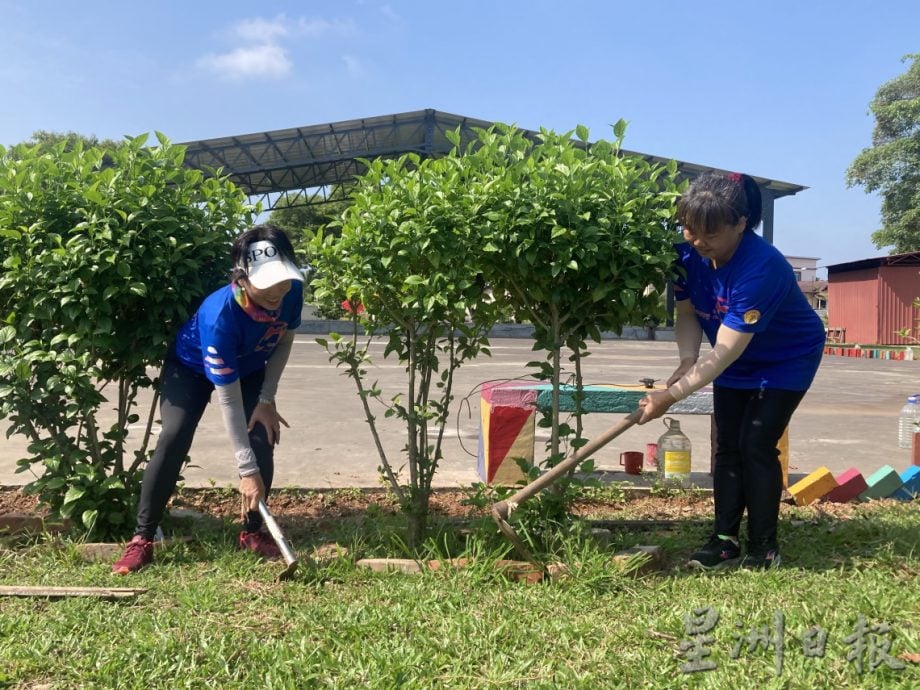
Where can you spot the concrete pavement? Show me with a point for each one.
(848, 419)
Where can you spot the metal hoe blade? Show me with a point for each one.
(290, 558)
(510, 534)
(502, 510)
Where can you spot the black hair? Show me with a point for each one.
(239, 253)
(716, 199)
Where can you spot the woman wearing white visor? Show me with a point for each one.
(238, 343)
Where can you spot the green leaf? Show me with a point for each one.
(89, 517)
(9, 232)
(7, 333)
(582, 133)
(628, 298)
(74, 493)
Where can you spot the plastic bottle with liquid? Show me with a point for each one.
(907, 420)
(674, 455)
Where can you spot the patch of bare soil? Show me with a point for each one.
(319, 506)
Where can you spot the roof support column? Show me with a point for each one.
(429, 132)
(768, 198)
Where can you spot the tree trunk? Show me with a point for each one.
(557, 365)
(418, 518)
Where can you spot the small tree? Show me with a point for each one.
(575, 235)
(408, 253)
(105, 252)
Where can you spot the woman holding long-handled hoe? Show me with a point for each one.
(767, 342)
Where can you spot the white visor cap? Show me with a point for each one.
(268, 267)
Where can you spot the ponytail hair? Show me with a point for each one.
(716, 199)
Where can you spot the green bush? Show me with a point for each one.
(105, 252)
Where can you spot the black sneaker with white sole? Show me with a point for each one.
(761, 559)
(716, 554)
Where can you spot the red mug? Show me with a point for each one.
(631, 460)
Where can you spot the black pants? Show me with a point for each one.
(747, 472)
(184, 394)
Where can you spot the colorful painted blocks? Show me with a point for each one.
(882, 484)
(816, 485)
(911, 484)
(849, 485)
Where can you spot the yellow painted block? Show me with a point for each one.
(816, 485)
(783, 448)
(509, 472)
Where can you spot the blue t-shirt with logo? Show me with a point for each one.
(224, 343)
(755, 292)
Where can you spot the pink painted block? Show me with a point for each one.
(851, 484)
(510, 394)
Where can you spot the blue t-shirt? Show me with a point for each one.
(222, 342)
(755, 292)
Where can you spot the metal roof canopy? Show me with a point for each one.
(318, 157)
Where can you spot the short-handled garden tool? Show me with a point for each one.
(287, 552)
(502, 510)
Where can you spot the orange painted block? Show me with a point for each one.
(816, 485)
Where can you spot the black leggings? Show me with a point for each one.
(748, 474)
(184, 394)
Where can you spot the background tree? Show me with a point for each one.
(45, 138)
(105, 251)
(891, 166)
(300, 214)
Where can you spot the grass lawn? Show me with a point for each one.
(215, 618)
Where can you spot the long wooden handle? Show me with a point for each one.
(583, 453)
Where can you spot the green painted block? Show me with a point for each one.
(614, 399)
(882, 484)
(597, 398)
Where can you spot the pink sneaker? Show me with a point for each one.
(260, 544)
(138, 553)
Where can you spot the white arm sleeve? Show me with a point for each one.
(275, 366)
(230, 398)
(729, 346)
(687, 332)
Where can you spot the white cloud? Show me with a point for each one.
(353, 65)
(260, 30)
(266, 60)
(262, 41)
(388, 12)
(316, 28)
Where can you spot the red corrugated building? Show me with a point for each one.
(873, 298)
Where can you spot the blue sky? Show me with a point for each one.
(777, 89)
